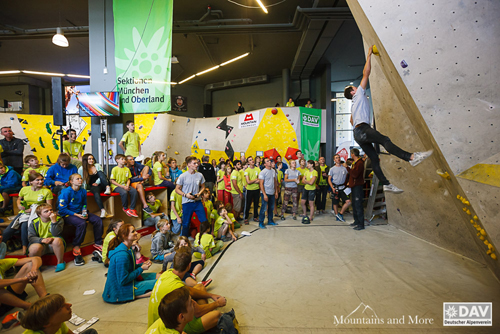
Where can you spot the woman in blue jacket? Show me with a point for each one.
(10, 183)
(122, 284)
(73, 208)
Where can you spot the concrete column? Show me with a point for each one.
(330, 116)
(286, 85)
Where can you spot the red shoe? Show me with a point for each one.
(12, 320)
(207, 282)
(142, 259)
(133, 213)
(98, 247)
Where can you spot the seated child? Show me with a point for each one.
(214, 215)
(176, 212)
(152, 219)
(113, 228)
(229, 209)
(10, 183)
(206, 240)
(120, 183)
(33, 165)
(207, 203)
(44, 235)
(161, 242)
(223, 228)
(48, 315)
(196, 266)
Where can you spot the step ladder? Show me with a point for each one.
(375, 205)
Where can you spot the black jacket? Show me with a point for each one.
(208, 172)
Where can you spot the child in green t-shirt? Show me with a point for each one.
(44, 235)
(33, 165)
(176, 212)
(206, 241)
(120, 183)
(223, 228)
(155, 205)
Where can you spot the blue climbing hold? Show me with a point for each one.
(205, 139)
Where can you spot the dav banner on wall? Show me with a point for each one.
(143, 48)
(249, 120)
(310, 132)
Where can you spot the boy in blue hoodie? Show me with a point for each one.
(58, 175)
(73, 208)
(10, 183)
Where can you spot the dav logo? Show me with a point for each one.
(467, 314)
(310, 120)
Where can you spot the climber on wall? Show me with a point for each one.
(366, 136)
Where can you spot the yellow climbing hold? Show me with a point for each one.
(173, 120)
(467, 203)
(483, 232)
(493, 256)
(176, 152)
(168, 146)
(472, 221)
(458, 196)
(488, 252)
(465, 209)
(467, 212)
(490, 246)
(481, 237)
(445, 175)
(486, 242)
(375, 50)
(475, 218)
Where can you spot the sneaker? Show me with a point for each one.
(359, 228)
(107, 191)
(79, 260)
(418, 157)
(340, 217)
(246, 222)
(147, 209)
(353, 224)
(262, 226)
(393, 189)
(272, 224)
(282, 217)
(306, 220)
(60, 267)
(256, 220)
(131, 213)
(207, 282)
(294, 217)
(98, 247)
(97, 256)
(12, 320)
(103, 213)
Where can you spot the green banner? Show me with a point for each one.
(143, 48)
(310, 132)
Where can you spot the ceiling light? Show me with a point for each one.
(183, 81)
(262, 6)
(10, 72)
(78, 76)
(164, 82)
(210, 69)
(333, 100)
(59, 39)
(44, 73)
(235, 59)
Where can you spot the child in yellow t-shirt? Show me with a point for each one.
(33, 165)
(205, 240)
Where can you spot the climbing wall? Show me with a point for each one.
(220, 137)
(433, 86)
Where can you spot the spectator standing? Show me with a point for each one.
(309, 104)
(13, 148)
(268, 183)
(290, 103)
(356, 182)
(322, 190)
(131, 141)
(337, 178)
(240, 110)
(208, 171)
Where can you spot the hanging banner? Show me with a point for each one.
(143, 48)
(310, 132)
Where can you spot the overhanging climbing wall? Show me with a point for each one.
(443, 97)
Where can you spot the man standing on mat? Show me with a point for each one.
(190, 185)
(366, 136)
(356, 183)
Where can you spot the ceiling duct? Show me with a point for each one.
(260, 79)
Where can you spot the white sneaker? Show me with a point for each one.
(393, 189)
(418, 157)
(103, 213)
(108, 190)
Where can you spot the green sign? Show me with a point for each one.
(310, 132)
(143, 48)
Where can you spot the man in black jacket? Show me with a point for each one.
(208, 172)
(13, 149)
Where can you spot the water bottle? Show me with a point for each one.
(84, 211)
